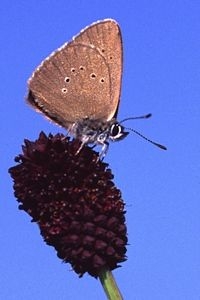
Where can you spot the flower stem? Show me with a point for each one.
(109, 284)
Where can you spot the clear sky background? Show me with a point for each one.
(161, 75)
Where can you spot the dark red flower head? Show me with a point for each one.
(73, 200)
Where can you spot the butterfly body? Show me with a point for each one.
(78, 86)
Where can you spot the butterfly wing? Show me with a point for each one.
(82, 79)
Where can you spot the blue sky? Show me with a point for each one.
(161, 75)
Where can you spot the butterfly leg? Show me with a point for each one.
(84, 141)
(104, 150)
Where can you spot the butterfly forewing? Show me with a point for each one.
(106, 37)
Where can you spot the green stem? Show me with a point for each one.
(109, 284)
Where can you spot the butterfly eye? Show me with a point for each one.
(117, 132)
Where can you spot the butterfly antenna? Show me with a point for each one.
(135, 118)
(148, 140)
